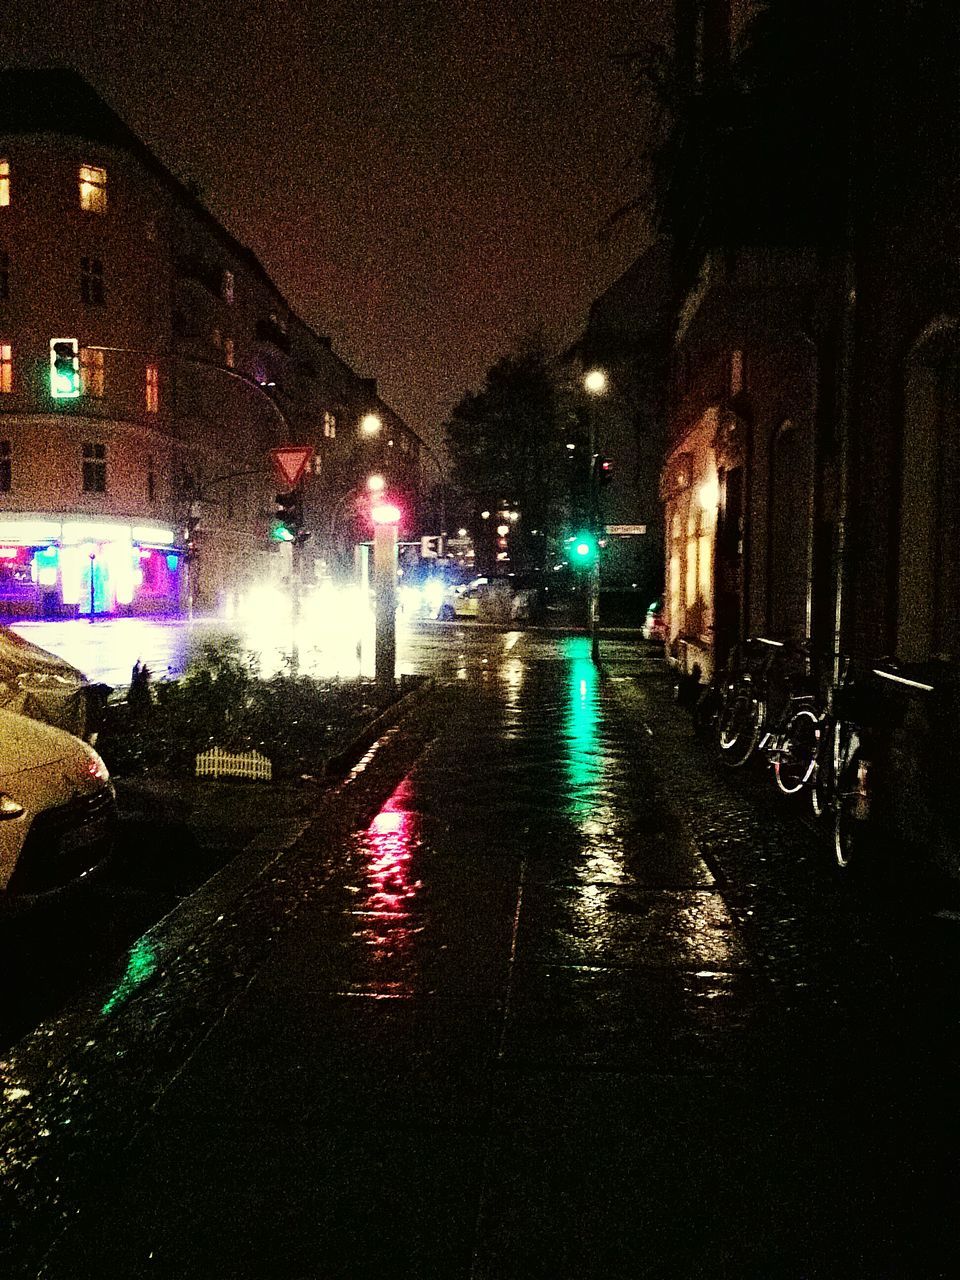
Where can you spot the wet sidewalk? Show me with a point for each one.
(489, 1016)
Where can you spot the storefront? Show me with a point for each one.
(53, 566)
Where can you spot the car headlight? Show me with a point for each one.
(9, 808)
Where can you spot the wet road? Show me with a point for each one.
(535, 994)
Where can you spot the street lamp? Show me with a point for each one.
(595, 381)
(371, 424)
(595, 384)
(386, 517)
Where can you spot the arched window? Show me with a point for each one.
(928, 621)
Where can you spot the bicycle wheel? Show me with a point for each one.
(821, 780)
(797, 751)
(851, 798)
(738, 726)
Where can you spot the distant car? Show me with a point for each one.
(58, 807)
(655, 623)
(462, 601)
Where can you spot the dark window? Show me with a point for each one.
(6, 466)
(151, 482)
(94, 468)
(91, 281)
(4, 276)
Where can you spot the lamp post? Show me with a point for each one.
(371, 424)
(386, 518)
(595, 385)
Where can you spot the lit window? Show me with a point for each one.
(91, 281)
(227, 288)
(329, 424)
(153, 388)
(6, 466)
(91, 372)
(93, 188)
(229, 355)
(4, 182)
(4, 276)
(94, 468)
(6, 367)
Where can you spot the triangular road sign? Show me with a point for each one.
(290, 461)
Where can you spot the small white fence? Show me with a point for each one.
(217, 763)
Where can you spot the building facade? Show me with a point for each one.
(626, 339)
(812, 472)
(148, 366)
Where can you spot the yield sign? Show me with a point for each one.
(290, 461)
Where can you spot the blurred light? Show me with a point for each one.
(571, 446)
(385, 513)
(503, 530)
(94, 531)
(461, 533)
(708, 494)
(370, 424)
(376, 484)
(152, 537)
(595, 381)
(484, 515)
(29, 532)
(433, 593)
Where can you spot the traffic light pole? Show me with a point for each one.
(593, 582)
(296, 562)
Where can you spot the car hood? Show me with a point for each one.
(30, 744)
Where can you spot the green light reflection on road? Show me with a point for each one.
(583, 764)
(141, 964)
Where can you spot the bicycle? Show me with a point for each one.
(841, 777)
(792, 745)
(759, 710)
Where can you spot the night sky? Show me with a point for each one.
(422, 180)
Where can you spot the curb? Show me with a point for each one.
(37, 1052)
(338, 764)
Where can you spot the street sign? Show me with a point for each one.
(290, 461)
(430, 547)
(626, 530)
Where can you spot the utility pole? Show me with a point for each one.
(386, 518)
(595, 384)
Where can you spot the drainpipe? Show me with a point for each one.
(845, 368)
(845, 379)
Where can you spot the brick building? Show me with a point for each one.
(807, 180)
(142, 481)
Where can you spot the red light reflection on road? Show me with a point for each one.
(388, 845)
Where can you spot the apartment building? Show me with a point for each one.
(148, 366)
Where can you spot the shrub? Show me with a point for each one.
(296, 721)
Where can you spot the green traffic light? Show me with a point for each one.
(582, 549)
(280, 533)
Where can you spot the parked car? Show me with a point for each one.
(46, 687)
(58, 807)
(655, 623)
(463, 601)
